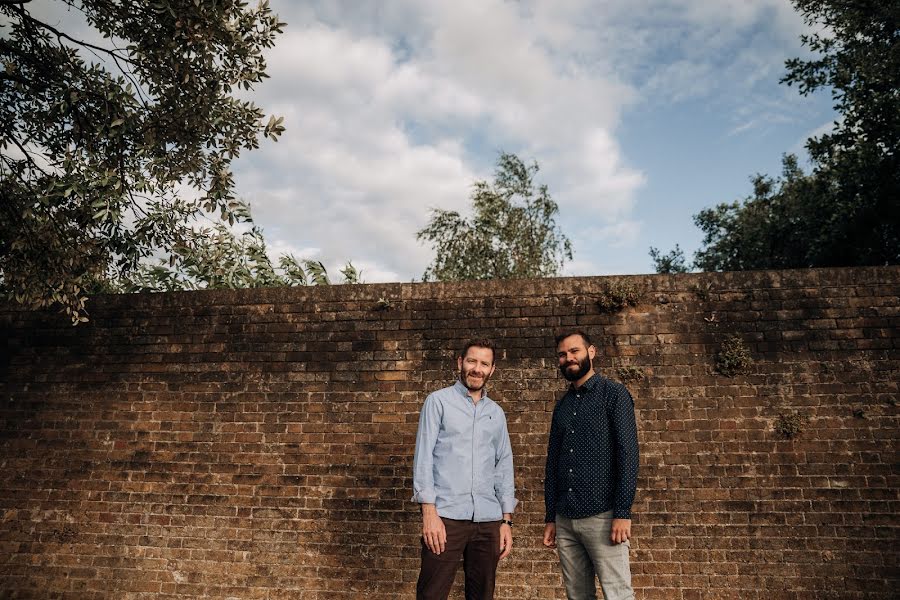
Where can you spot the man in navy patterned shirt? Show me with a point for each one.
(591, 476)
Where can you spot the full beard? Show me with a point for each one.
(584, 366)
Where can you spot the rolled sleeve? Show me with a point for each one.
(424, 496)
(508, 504)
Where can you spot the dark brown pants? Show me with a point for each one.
(478, 544)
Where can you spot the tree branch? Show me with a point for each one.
(27, 155)
(62, 35)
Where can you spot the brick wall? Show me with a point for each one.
(258, 443)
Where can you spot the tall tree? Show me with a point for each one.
(846, 211)
(512, 232)
(857, 165)
(111, 151)
(775, 228)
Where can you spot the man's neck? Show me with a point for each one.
(475, 395)
(584, 378)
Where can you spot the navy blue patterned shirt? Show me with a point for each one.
(592, 455)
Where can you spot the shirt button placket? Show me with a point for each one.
(474, 452)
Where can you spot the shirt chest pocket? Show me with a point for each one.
(489, 426)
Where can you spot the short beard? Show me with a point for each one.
(462, 378)
(584, 367)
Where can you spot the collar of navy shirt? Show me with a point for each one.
(587, 386)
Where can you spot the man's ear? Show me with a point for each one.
(592, 352)
(459, 363)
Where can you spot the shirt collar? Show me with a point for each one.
(588, 385)
(464, 391)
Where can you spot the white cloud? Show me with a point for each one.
(386, 120)
(393, 108)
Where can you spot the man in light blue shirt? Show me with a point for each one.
(463, 478)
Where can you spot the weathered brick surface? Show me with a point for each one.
(258, 443)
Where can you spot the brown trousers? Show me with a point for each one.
(478, 544)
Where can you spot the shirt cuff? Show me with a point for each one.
(622, 513)
(427, 496)
(508, 504)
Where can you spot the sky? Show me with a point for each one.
(640, 114)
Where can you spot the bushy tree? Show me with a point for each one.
(775, 228)
(219, 257)
(512, 232)
(857, 164)
(846, 211)
(112, 151)
(672, 262)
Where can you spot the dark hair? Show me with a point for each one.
(570, 332)
(479, 343)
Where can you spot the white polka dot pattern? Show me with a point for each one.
(592, 454)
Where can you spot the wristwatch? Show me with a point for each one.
(506, 522)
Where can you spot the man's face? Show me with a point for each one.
(476, 367)
(575, 357)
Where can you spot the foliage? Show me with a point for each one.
(351, 275)
(626, 374)
(111, 152)
(702, 291)
(772, 229)
(859, 47)
(858, 163)
(512, 233)
(617, 296)
(734, 357)
(672, 262)
(845, 211)
(217, 257)
(788, 425)
(384, 304)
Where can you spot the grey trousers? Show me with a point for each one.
(585, 550)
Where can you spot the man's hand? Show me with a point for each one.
(433, 531)
(505, 540)
(550, 535)
(621, 530)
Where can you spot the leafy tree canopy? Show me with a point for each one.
(775, 228)
(112, 151)
(846, 211)
(218, 257)
(512, 232)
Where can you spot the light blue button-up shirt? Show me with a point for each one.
(463, 463)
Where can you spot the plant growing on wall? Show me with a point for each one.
(617, 296)
(789, 425)
(627, 374)
(734, 357)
